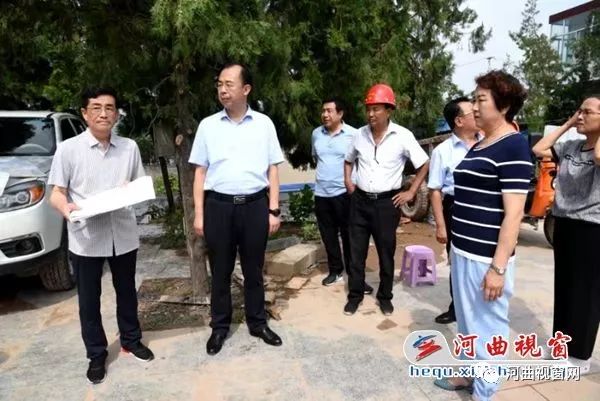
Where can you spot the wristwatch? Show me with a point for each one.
(275, 212)
(498, 270)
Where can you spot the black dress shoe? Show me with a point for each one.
(368, 289)
(445, 318)
(215, 343)
(267, 336)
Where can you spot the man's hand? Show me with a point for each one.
(67, 209)
(274, 223)
(199, 225)
(492, 285)
(350, 187)
(441, 235)
(403, 197)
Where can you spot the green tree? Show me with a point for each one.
(540, 68)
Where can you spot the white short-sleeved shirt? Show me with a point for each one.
(237, 155)
(444, 159)
(81, 166)
(379, 168)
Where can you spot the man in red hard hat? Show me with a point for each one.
(380, 150)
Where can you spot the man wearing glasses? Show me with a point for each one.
(444, 159)
(380, 150)
(92, 162)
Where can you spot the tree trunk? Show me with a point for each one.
(184, 140)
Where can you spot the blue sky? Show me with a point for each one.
(503, 16)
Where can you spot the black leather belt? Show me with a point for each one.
(237, 199)
(377, 195)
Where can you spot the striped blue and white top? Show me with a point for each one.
(504, 166)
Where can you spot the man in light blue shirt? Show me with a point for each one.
(236, 153)
(330, 142)
(444, 159)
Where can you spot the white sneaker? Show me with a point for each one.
(583, 364)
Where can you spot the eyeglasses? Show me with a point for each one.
(95, 110)
(466, 114)
(587, 112)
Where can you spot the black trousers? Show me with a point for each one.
(332, 218)
(577, 284)
(378, 218)
(228, 229)
(448, 205)
(88, 275)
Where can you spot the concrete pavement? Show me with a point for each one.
(325, 356)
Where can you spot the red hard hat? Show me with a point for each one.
(381, 93)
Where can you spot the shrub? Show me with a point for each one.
(302, 205)
(159, 185)
(310, 231)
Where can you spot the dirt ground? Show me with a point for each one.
(163, 305)
(410, 233)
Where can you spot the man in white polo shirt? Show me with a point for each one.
(236, 201)
(380, 150)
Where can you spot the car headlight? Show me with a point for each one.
(22, 195)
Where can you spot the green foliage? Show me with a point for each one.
(478, 38)
(159, 185)
(540, 69)
(162, 56)
(302, 205)
(172, 223)
(310, 231)
(146, 147)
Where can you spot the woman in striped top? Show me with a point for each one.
(491, 186)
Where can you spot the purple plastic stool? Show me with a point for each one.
(418, 265)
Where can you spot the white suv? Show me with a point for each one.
(33, 237)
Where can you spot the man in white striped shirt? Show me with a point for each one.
(92, 162)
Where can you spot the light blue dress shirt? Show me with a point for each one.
(329, 152)
(237, 154)
(444, 159)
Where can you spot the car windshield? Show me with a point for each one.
(27, 136)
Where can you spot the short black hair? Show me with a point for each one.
(453, 110)
(246, 74)
(340, 106)
(93, 92)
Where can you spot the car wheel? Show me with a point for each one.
(57, 274)
(418, 209)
